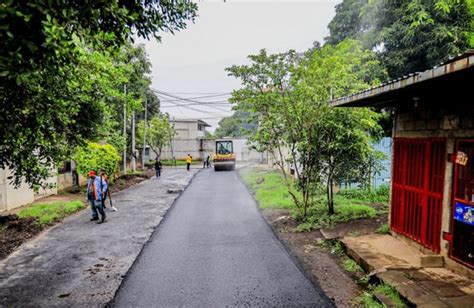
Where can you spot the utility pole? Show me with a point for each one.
(134, 167)
(144, 134)
(125, 130)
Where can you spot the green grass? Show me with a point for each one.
(381, 194)
(345, 210)
(48, 213)
(271, 192)
(367, 299)
(352, 266)
(383, 229)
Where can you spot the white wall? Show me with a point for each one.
(12, 197)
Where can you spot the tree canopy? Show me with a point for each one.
(61, 74)
(290, 93)
(410, 36)
(159, 132)
(239, 124)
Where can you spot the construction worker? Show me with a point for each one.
(91, 195)
(189, 160)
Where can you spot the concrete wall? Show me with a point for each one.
(12, 197)
(65, 181)
(449, 122)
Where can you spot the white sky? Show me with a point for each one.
(191, 63)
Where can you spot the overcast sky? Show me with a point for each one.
(191, 63)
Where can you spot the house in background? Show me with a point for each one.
(432, 186)
(190, 139)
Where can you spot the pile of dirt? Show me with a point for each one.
(15, 231)
(128, 180)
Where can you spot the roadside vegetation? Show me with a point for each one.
(49, 213)
(370, 298)
(271, 192)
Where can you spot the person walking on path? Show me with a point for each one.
(158, 167)
(99, 186)
(91, 195)
(106, 193)
(207, 162)
(189, 160)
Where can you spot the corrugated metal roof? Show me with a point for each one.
(455, 64)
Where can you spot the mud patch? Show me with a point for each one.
(14, 232)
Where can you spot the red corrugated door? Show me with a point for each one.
(417, 189)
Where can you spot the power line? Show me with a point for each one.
(205, 104)
(199, 110)
(196, 93)
(196, 97)
(178, 97)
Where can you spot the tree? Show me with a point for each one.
(95, 157)
(51, 56)
(291, 95)
(410, 36)
(347, 22)
(264, 83)
(159, 133)
(239, 124)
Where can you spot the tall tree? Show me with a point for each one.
(409, 36)
(291, 94)
(239, 124)
(49, 102)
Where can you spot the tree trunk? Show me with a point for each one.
(330, 196)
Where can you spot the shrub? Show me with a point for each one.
(95, 157)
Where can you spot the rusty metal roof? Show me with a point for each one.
(384, 94)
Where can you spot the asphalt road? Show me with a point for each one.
(213, 250)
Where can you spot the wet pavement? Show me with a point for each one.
(79, 263)
(215, 250)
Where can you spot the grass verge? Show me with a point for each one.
(49, 213)
(271, 192)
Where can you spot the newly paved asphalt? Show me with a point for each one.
(215, 250)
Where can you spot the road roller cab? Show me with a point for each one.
(224, 158)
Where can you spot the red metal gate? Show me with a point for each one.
(417, 189)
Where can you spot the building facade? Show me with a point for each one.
(432, 187)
